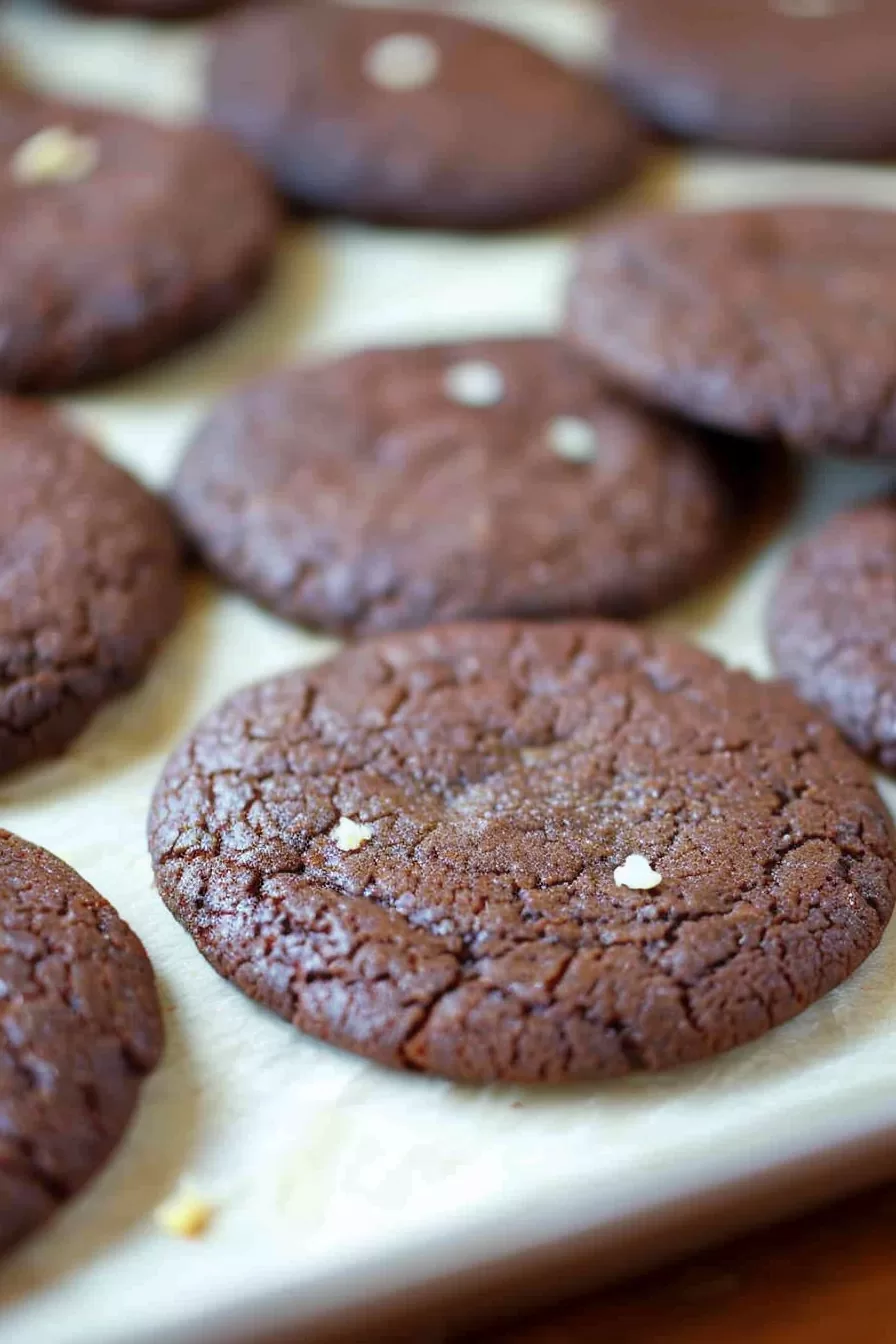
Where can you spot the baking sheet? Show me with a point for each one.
(331, 1176)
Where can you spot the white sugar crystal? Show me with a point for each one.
(474, 382)
(637, 874)
(402, 62)
(350, 835)
(572, 438)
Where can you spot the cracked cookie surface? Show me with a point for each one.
(773, 322)
(411, 851)
(396, 487)
(90, 581)
(148, 236)
(80, 1028)
(410, 117)
(832, 625)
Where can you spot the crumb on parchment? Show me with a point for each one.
(186, 1214)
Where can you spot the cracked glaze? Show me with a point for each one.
(832, 625)
(770, 322)
(506, 770)
(79, 1029)
(89, 581)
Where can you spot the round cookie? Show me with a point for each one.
(89, 581)
(396, 487)
(511, 851)
(777, 321)
(81, 1028)
(832, 625)
(702, 69)
(120, 239)
(410, 117)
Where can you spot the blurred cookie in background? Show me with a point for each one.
(777, 322)
(832, 625)
(409, 117)
(800, 77)
(400, 486)
(120, 240)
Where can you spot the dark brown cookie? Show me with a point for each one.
(524, 851)
(120, 239)
(80, 1028)
(411, 117)
(89, 581)
(808, 77)
(778, 321)
(493, 478)
(832, 625)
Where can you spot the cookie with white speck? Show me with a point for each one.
(120, 240)
(411, 117)
(396, 487)
(523, 851)
(80, 1027)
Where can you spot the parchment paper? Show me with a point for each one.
(312, 1157)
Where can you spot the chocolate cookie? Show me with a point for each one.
(81, 1028)
(417, 118)
(832, 625)
(396, 487)
(778, 321)
(526, 852)
(89, 581)
(120, 239)
(790, 76)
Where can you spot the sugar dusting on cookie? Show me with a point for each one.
(350, 835)
(637, 874)
(55, 154)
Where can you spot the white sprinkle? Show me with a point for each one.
(350, 835)
(474, 382)
(637, 874)
(402, 62)
(55, 154)
(572, 438)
